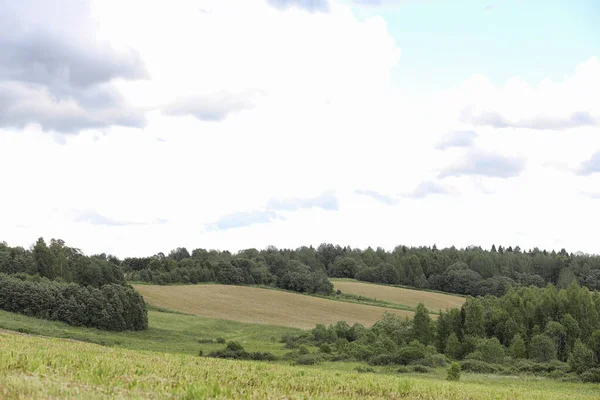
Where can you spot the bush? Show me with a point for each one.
(402, 370)
(581, 359)
(414, 351)
(364, 369)
(205, 341)
(383, 359)
(234, 346)
(263, 356)
(480, 367)
(421, 369)
(325, 348)
(220, 340)
(308, 359)
(303, 350)
(235, 351)
(531, 367)
(591, 375)
(436, 360)
(453, 372)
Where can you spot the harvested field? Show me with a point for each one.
(261, 306)
(408, 297)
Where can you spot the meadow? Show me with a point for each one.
(434, 301)
(37, 367)
(167, 332)
(262, 306)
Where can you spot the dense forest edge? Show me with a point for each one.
(59, 283)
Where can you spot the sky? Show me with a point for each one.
(134, 127)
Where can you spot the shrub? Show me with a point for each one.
(325, 348)
(414, 351)
(364, 369)
(263, 356)
(582, 358)
(234, 346)
(235, 351)
(421, 369)
(205, 341)
(591, 375)
(403, 370)
(308, 359)
(303, 350)
(436, 360)
(383, 359)
(480, 367)
(453, 372)
(220, 340)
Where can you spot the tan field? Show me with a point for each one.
(407, 297)
(261, 306)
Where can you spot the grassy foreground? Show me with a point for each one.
(35, 367)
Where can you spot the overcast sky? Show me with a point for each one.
(133, 127)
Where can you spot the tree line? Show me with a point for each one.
(59, 283)
(543, 331)
(470, 271)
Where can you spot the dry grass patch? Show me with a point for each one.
(408, 297)
(261, 306)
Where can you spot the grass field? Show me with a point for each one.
(408, 297)
(35, 367)
(167, 332)
(261, 306)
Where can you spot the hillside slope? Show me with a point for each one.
(261, 306)
(408, 297)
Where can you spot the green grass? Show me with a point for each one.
(168, 332)
(36, 367)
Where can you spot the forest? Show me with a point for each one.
(539, 331)
(471, 271)
(57, 282)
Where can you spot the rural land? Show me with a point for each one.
(326, 322)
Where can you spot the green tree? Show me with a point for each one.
(473, 310)
(595, 345)
(582, 358)
(542, 348)
(489, 350)
(517, 347)
(572, 330)
(453, 372)
(421, 325)
(558, 333)
(453, 347)
(565, 278)
(44, 259)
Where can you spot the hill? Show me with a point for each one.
(261, 306)
(408, 297)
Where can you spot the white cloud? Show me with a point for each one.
(327, 119)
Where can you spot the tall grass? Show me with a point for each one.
(36, 367)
